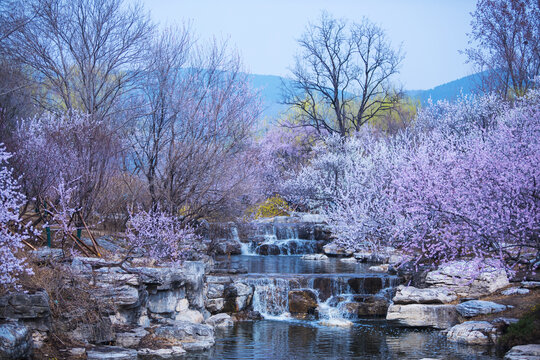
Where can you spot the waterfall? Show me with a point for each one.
(271, 297)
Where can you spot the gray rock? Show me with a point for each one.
(130, 338)
(333, 249)
(479, 307)
(314, 257)
(219, 320)
(112, 353)
(215, 305)
(175, 352)
(215, 291)
(379, 268)
(45, 253)
(531, 284)
(466, 280)
(124, 295)
(183, 333)
(367, 306)
(198, 345)
(423, 315)
(412, 295)
(524, 352)
(100, 332)
(515, 291)
(474, 333)
(164, 302)
(15, 341)
(193, 316)
(31, 308)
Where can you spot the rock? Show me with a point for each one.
(164, 302)
(111, 352)
(524, 352)
(531, 284)
(130, 338)
(15, 341)
(215, 291)
(478, 307)
(412, 295)
(30, 308)
(333, 249)
(366, 284)
(247, 315)
(115, 276)
(39, 338)
(379, 268)
(228, 247)
(466, 280)
(268, 249)
(515, 291)
(348, 260)
(184, 333)
(336, 322)
(182, 305)
(100, 332)
(423, 315)
(77, 352)
(474, 333)
(198, 345)
(190, 315)
(44, 254)
(215, 305)
(302, 301)
(175, 352)
(124, 295)
(314, 257)
(367, 306)
(219, 320)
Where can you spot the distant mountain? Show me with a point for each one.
(449, 91)
(269, 87)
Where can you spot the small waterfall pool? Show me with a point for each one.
(336, 284)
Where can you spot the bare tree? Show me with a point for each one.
(506, 35)
(192, 144)
(84, 53)
(341, 78)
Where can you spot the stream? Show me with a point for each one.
(333, 332)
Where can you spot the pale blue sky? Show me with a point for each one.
(265, 32)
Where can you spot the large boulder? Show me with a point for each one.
(45, 254)
(237, 297)
(334, 249)
(367, 306)
(31, 308)
(130, 338)
(474, 333)
(423, 315)
(467, 280)
(219, 320)
(190, 336)
(478, 307)
(524, 352)
(15, 341)
(124, 295)
(165, 302)
(174, 352)
(99, 332)
(302, 301)
(412, 295)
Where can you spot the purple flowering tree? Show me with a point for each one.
(12, 231)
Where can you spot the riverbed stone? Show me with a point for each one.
(413, 295)
(112, 353)
(184, 333)
(423, 315)
(314, 257)
(334, 249)
(367, 306)
(479, 307)
(467, 280)
(474, 333)
(302, 301)
(221, 320)
(174, 352)
(524, 352)
(15, 341)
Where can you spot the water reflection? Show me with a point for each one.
(269, 339)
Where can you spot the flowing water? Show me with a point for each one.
(336, 283)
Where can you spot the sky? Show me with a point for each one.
(265, 32)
